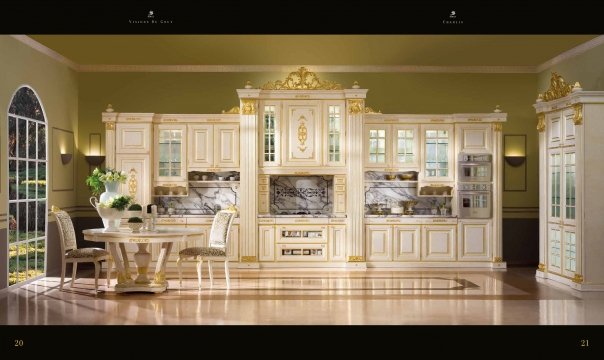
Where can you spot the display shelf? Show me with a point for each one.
(214, 181)
(392, 181)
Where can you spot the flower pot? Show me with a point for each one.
(111, 217)
(111, 190)
(135, 227)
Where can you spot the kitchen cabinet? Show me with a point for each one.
(438, 153)
(170, 152)
(266, 242)
(337, 242)
(379, 242)
(132, 138)
(438, 242)
(473, 138)
(213, 147)
(392, 147)
(474, 240)
(302, 133)
(407, 242)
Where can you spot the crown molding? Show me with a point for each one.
(577, 50)
(315, 68)
(46, 51)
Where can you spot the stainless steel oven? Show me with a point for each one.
(475, 167)
(475, 201)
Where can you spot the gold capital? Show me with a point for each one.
(578, 278)
(578, 118)
(233, 110)
(355, 106)
(540, 122)
(110, 126)
(249, 106)
(498, 126)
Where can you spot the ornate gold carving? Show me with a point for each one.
(497, 259)
(355, 106)
(541, 267)
(160, 277)
(301, 173)
(109, 126)
(233, 110)
(123, 277)
(437, 120)
(249, 106)
(578, 278)
(474, 120)
(578, 118)
(557, 88)
(248, 259)
(132, 184)
(141, 270)
(54, 209)
(541, 122)
(302, 133)
(369, 110)
(355, 259)
(139, 240)
(498, 126)
(301, 80)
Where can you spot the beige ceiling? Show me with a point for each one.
(428, 50)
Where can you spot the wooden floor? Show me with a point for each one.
(374, 296)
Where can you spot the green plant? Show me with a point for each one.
(118, 202)
(96, 180)
(135, 219)
(135, 207)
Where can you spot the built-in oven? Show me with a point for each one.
(475, 167)
(475, 201)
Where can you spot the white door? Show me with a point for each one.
(474, 240)
(474, 138)
(438, 243)
(142, 170)
(337, 243)
(407, 243)
(379, 240)
(303, 133)
(266, 238)
(201, 146)
(226, 145)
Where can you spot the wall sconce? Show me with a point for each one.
(515, 161)
(94, 157)
(66, 158)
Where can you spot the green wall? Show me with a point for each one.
(57, 87)
(388, 92)
(587, 68)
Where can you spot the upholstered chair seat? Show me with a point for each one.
(217, 249)
(96, 253)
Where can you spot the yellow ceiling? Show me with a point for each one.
(429, 50)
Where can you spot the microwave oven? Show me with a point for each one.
(475, 167)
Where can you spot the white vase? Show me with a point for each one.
(111, 217)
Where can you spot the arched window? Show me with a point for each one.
(26, 187)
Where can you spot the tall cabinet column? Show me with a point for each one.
(249, 177)
(109, 119)
(355, 249)
(498, 196)
(542, 197)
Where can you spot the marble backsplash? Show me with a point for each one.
(393, 193)
(290, 195)
(204, 199)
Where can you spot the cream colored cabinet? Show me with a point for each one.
(334, 126)
(438, 242)
(138, 169)
(407, 239)
(213, 147)
(233, 249)
(266, 240)
(170, 152)
(269, 141)
(337, 242)
(379, 242)
(474, 138)
(302, 133)
(391, 147)
(438, 153)
(133, 138)
(474, 240)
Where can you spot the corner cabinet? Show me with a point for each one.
(571, 206)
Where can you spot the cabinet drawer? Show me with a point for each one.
(301, 252)
(301, 234)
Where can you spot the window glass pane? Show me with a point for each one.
(22, 179)
(41, 142)
(41, 180)
(12, 137)
(22, 139)
(41, 218)
(31, 179)
(12, 222)
(22, 221)
(12, 179)
(31, 219)
(40, 256)
(31, 140)
(12, 264)
(25, 103)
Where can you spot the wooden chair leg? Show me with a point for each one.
(199, 263)
(109, 268)
(210, 271)
(179, 266)
(226, 274)
(97, 272)
(63, 269)
(74, 270)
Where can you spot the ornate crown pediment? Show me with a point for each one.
(301, 80)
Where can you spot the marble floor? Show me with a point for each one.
(375, 296)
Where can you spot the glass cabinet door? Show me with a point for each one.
(570, 251)
(554, 200)
(269, 138)
(570, 201)
(376, 138)
(438, 164)
(170, 152)
(335, 134)
(405, 146)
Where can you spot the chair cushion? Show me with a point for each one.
(86, 253)
(202, 251)
(68, 234)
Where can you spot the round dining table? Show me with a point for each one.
(142, 258)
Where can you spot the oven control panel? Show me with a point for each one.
(474, 187)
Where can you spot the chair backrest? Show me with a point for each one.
(221, 228)
(66, 231)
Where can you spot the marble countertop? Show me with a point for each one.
(302, 216)
(165, 216)
(410, 216)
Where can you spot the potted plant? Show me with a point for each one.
(171, 207)
(443, 208)
(111, 211)
(135, 224)
(433, 207)
(104, 183)
(134, 210)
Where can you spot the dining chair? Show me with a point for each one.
(217, 249)
(71, 254)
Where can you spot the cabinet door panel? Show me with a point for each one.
(334, 132)
(140, 164)
(377, 140)
(474, 138)
(303, 134)
(569, 253)
(379, 239)
(554, 129)
(269, 141)
(337, 243)
(133, 138)
(170, 152)
(405, 152)
(554, 248)
(266, 237)
(201, 146)
(406, 243)
(438, 243)
(554, 201)
(437, 156)
(474, 240)
(569, 127)
(226, 145)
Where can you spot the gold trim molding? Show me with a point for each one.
(302, 134)
(249, 106)
(355, 259)
(541, 267)
(558, 88)
(578, 118)
(369, 110)
(233, 110)
(248, 259)
(497, 259)
(498, 126)
(355, 106)
(109, 126)
(301, 80)
(578, 278)
(132, 185)
(541, 122)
